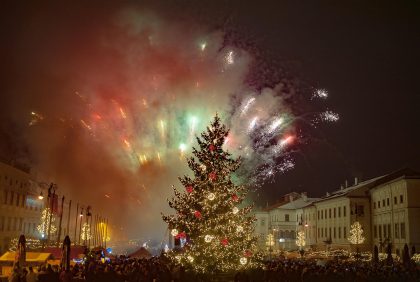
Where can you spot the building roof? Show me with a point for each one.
(299, 203)
(372, 183)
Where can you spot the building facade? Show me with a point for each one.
(20, 208)
(387, 207)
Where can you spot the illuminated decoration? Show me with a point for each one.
(243, 260)
(197, 214)
(190, 258)
(356, 234)
(270, 240)
(189, 189)
(212, 176)
(174, 232)
(166, 249)
(208, 238)
(103, 228)
(224, 241)
(45, 223)
(86, 235)
(211, 196)
(300, 239)
(203, 167)
(217, 241)
(31, 244)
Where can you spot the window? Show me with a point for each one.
(11, 198)
(322, 232)
(15, 224)
(286, 217)
(360, 210)
(9, 223)
(318, 217)
(330, 232)
(17, 199)
(379, 204)
(2, 223)
(383, 202)
(334, 212)
(318, 232)
(401, 199)
(325, 233)
(395, 200)
(329, 213)
(344, 211)
(334, 233)
(387, 202)
(339, 232)
(402, 230)
(6, 193)
(389, 231)
(344, 232)
(375, 231)
(322, 214)
(396, 230)
(385, 231)
(374, 205)
(380, 231)
(339, 211)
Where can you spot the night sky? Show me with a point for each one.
(365, 54)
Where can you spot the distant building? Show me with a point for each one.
(19, 204)
(387, 207)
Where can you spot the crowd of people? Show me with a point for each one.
(160, 269)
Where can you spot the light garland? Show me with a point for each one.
(218, 235)
(45, 223)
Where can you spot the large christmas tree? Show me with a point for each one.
(209, 218)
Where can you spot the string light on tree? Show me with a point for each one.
(211, 196)
(356, 234)
(301, 240)
(174, 232)
(235, 210)
(86, 235)
(218, 235)
(45, 223)
(208, 238)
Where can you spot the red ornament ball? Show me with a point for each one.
(212, 147)
(235, 197)
(248, 253)
(181, 235)
(212, 176)
(189, 189)
(197, 214)
(224, 241)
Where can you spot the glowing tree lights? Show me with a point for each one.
(216, 229)
(356, 234)
(301, 240)
(86, 235)
(45, 223)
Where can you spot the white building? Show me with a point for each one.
(395, 205)
(277, 225)
(19, 205)
(387, 207)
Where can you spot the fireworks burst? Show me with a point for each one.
(171, 89)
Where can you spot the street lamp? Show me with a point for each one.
(41, 196)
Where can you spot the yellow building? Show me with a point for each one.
(19, 204)
(387, 207)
